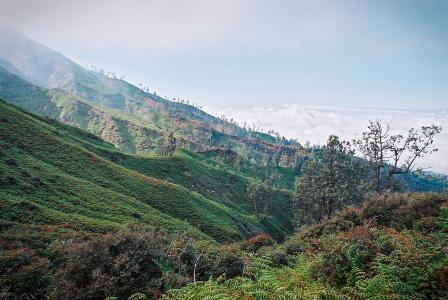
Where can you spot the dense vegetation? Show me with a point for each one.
(61, 185)
(41, 160)
(393, 247)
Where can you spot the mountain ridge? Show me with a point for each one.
(195, 129)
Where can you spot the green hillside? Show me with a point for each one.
(127, 132)
(271, 173)
(109, 191)
(214, 182)
(42, 160)
(134, 120)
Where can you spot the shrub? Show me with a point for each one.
(256, 242)
(24, 273)
(113, 265)
(401, 210)
(229, 261)
(12, 162)
(8, 180)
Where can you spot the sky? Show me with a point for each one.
(304, 68)
(239, 53)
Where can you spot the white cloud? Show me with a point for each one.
(315, 124)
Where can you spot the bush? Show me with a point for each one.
(8, 180)
(229, 261)
(12, 162)
(117, 264)
(401, 210)
(256, 242)
(24, 273)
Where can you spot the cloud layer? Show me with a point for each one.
(315, 124)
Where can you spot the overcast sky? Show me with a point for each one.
(241, 53)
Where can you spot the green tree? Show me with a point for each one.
(333, 178)
(261, 198)
(172, 143)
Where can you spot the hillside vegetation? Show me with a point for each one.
(40, 162)
(394, 247)
(133, 119)
(138, 121)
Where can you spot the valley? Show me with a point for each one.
(110, 191)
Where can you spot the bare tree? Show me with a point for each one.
(390, 155)
(406, 150)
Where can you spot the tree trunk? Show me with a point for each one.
(195, 266)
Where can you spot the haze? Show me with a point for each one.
(381, 54)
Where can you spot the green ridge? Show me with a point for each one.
(41, 159)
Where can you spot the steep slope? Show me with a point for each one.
(127, 132)
(214, 183)
(195, 129)
(49, 176)
(271, 173)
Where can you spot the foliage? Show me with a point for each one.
(65, 176)
(256, 242)
(261, 198)
(396, 259)
(277, 176)
(332, 179)
(117, 264)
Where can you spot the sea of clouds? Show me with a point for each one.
(315, 124)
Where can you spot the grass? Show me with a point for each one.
(55, 174)
(274, 175)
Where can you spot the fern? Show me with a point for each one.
(356, 275)
(331, 295)
(138, 296)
